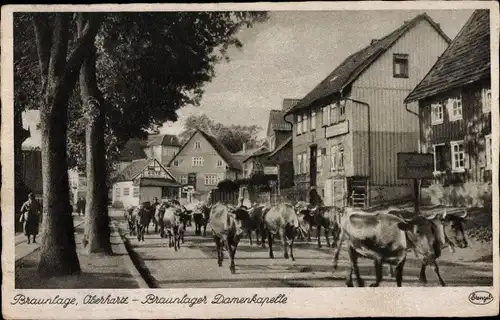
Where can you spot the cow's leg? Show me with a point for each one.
(353, 256)
(270, 237)
(250, 235)
(284, 242)
(220, 254)
(391, 271)
(423, 278)
(263, 237)
(318, 234)
(231, 245)
(337, 251)
(399, 272)
(205, 229)
(291, 244)
(436, 270)
(257, 235)
(327, 232)
(378, 273)
(310, 231)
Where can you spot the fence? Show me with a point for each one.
(228, 197)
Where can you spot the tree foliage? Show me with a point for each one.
(232, 137)
(151, 64)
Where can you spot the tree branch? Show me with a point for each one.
(43, 40)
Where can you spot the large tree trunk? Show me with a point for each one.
(97, 231)
(59, 76)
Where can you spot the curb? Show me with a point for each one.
(37, 248)
(129, 264)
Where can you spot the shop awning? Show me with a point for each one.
(158, 182)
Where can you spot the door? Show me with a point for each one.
(312, 165)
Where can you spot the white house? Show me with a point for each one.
(142, 181)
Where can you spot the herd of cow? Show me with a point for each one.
(384, 236)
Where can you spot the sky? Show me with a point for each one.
(286, 57)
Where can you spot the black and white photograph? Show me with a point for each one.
(249, 149)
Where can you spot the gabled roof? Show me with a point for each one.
(163, 140)
(218, 147)
(137, 167)
(350, 69)
(281, 146)
(257, 153)
(466, 60)
(277, 122)
(133, 150)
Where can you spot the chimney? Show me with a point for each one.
(244, 149)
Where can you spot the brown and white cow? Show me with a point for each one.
(446, 230)
(225, 223)
(384, 238)
(285, 221)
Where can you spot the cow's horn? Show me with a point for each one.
(432, 216)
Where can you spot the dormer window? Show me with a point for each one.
(400, 65)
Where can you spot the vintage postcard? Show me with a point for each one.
(250, 160)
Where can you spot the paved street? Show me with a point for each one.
(195, 265)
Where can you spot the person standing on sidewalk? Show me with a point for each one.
(84, 204)
(30, 217)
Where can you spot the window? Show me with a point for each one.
(455, 108)
(333, 158)
(436, 113)
(334, 113)
(488, 152)
(175, 163)
(486, 97)
(197, 145)
(400, 63)
(299, 124)
(299, 163)
(305, 162)
(457, 155)
(197, 161)
(220, 163)
(340, 162)
(341, 111)
(117, 192)
(441, 158)
(210, 179)
(304, 123)
(313, 120)
(326, 115)
(126, 191)
(184, 179)
(136, 192)
(319, 164)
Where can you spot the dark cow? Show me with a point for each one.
(143, 214)
(305, 210)
(255, 222)
(148, 210)
(382, 237)
(131, 216)
(285, 221)
(327, 218)
(201, 216)
(169, 218)
(225, 223)
(446, 230)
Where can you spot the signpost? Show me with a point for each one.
(416, 166)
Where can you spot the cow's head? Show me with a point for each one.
(422, 237)
(453, 227)
(305, 211)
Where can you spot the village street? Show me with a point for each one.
(195, 265)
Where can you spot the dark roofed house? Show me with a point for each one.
(202, 162)
(348, 129)
(142, 181)
(454, 101)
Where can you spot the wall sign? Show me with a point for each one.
(415, 165)
(337, 129)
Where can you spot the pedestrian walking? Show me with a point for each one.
(84, 204)
(31, 217)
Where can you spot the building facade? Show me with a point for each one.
(162, 147)
(202, 162)
(142, 181)
(455, 118)
(349, 129)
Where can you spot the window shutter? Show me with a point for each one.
(447, 156)
(467, 161)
